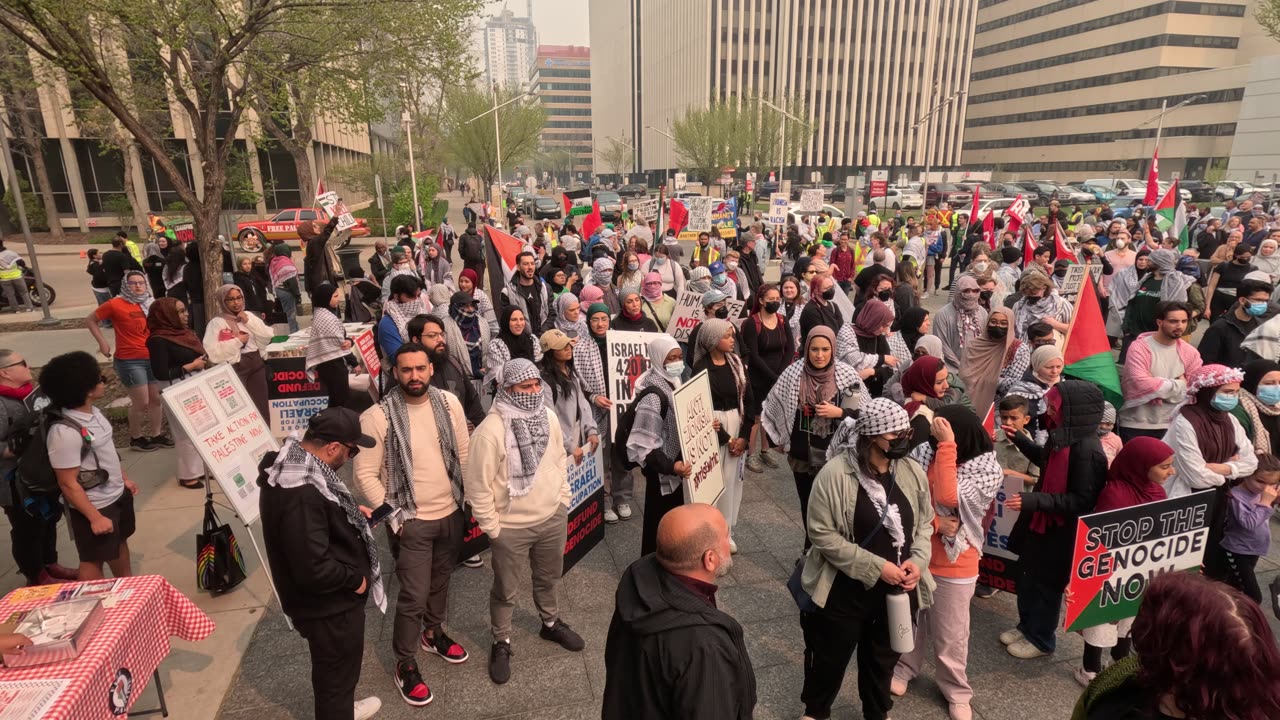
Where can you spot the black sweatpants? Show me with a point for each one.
(333, 376)
(34, 542)
(1238, 571)
(804, 486)
(655, 506)
(337, 649)
(830, 639)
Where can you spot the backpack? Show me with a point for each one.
(626, 420)
(35, 479)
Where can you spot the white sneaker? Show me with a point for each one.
(610, 516)
(473, 562)
(1024, 650)
(367, 708)
(733, 547)
(1009, 637)
(1084, 677)
(624, 511)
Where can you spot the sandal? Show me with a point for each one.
(192, 484)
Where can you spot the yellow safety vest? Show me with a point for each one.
(132, 247)
(712, 255)
(14, 272)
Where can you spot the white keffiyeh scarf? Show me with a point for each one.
(528, 426)
(977, 481)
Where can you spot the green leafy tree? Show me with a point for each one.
(706, 139)
(18, 82)
(474, 145)
(617, 155)
(1268, 17)
(759, 134)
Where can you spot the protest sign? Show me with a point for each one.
(724, 218)
(845, 305)
(367, 351)
(228, 431)
(628, 355)
(292, 397)
(998, 567)
(699, 441)
(1071, 283)
(699, 214)
(779, 206)
(1095, 272)
(811, 200)
(1118, 552)
(686, 316)
(643, 211)
(333, 205)
(586, 509)
(680, 181)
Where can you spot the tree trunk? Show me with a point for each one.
(306, 183)
(205, 217)
(35, 149)
(138, 201)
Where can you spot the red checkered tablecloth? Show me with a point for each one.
(133, 636)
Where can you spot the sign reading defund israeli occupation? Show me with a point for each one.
(1118, 552)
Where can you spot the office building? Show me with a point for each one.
(561, 81)
(510, 45)
(1063, 89)
(865, 72)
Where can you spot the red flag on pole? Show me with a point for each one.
(592, 221)
(679, 216)
(989, 422)
(989, 228)
(1013, 216)
(1153, 179)
(1028, 247)
(973, 211)
(1060, 249)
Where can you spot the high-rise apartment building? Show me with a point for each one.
(1062, 89)
(865, 73)
(510, 44)
(561, 82)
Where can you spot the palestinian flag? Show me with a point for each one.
(577, 202)
(1087, 351)
(501, 250)
(1171, 216)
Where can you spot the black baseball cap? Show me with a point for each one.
(337, 424)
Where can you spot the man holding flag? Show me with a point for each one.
(1171, 215)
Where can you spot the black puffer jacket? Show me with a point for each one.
(1048, 555)
(671, 656)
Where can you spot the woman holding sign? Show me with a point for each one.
(732, 402)
(240, 338)
(176, 351)
(655, 441)
(804, 407)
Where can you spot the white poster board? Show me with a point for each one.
(811, 200)
(686, 316)
(843, 302)
(628, 355)
(1073, 281)
(333, 205)
(699, 441)
(642, 211)
(779, 205)
(586, 477)
(699, 213)
(231, 435)
(681, 180)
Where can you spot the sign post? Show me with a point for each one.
(879, 186)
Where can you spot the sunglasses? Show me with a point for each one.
(352, 450)
(23, 363)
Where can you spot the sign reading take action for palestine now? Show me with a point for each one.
(1117, 553)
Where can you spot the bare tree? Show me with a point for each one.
(617, 155)
(18, 82)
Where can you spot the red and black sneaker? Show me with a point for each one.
(412, 688)
(445, 647)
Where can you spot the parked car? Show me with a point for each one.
(283, 226)
(899, 199)
(610, 205)
(830, 210)
(1037, 194)
(1068, 195)
(1201, 192)
(997, 206)
(948, 193)
(766, 188)
(1126, 189)
(634, 190)
(1099, 193)
(1232, 189)
(546, 208)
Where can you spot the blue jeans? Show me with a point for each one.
(289, 304)
(1039, 607)
(133, 373)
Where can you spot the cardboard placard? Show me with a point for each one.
(628, 355)
(699, 441)
(586, 511)
(680, 180)
(643, 211)
(333, 205)
(1117, 552)
(686, 316)
(998, 567)
(228, 431)
(699, 214)
(811, 200)
(779, 206)
(1072, 283)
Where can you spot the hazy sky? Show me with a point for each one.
(559, 22)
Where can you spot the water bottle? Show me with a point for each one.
(901, 634)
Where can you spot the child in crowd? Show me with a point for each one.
(1247, 533)
(1015, 413)
(1111, 442)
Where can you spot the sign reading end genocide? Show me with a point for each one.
(586, 509)
(1118, 552)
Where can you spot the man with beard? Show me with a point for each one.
(671, 652)
(325, 559)
(527, 292)
(428, 331)
(417, 431)
(1154, 376)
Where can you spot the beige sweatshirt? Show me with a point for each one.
(431, 489)
(486, 479)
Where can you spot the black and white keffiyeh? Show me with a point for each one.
(527, 423)
(877, 417)
(397, 461)
(652, 430)
(778, 412)
(327, 336)
(402, 313)
(295, 467)
(977, 481)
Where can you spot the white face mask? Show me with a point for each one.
(980, 266)
(674, 369)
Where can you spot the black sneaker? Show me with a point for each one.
(142, 444)
(500, 662)
(162, 441)
(412, 688)
(562, 634)
(444, 646)
(473, 562)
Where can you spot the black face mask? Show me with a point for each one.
(884, 295)
(997, 333)
(1062, 272)
(722, 313)
(829, 294)
(772, 307)
(899, 448)
(986, 294)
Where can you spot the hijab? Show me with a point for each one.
(818, 385)
(163, 321)
(322, 295)
(225, 313)
(1128, 483)
(143, 298)
(1215, 432)
(912, 319)
(473, 277)
(520, 346)
(571, 328)
(591, 294)
(983, 359)
(920, 377)
(1042, 356)
(929, 346)
(972, 438)
(966, 304)
(872, 319)
(597, 309)
(602, 272)
(710, 334)
(622, 298)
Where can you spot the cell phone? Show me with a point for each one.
(380, 514)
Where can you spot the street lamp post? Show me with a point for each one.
(497, 132)
(782, 149)
(928, 147)
(666, 172)
(1165, 110)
